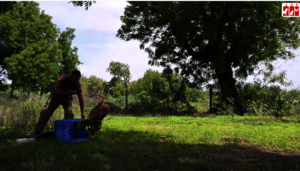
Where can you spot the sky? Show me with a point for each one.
(98, 45)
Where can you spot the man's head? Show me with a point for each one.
(75, 76)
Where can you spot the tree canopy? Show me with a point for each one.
(85, 4)
(33, 51)
(211, 41)
(6, 6)
(121, 73)
(70, 58)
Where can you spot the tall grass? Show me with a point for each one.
(19, 117)
(22, 114)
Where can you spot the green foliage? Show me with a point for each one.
(120, 89)
(255, 94)
(192, 95)
(268, 100)
(5, 95)
(155, 85)
(95, 84)
(282, 105)
(105, 89)
(84, 84)
(152, 90)
(86, 4)
(206, 40)
(70, 58)
(35, 66)
(157, 91)
(30, 55)
(6, 6)
(120, 73)
(3, 85)
(117, 99)
(33, 52)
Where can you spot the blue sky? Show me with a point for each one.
(98, 45)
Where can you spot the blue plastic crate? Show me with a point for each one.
(65, 131)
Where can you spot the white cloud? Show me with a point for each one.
(97, 62)
(102, 16)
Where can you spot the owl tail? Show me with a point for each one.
(84, 123)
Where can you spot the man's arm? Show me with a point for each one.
(81, 101)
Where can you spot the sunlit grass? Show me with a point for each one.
(270, 134)
(162, 143)
(152, 143)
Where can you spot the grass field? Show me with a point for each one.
(168, 143)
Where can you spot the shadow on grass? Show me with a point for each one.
(139, 150)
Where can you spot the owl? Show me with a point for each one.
(94, 120)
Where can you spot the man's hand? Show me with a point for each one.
(82, 116)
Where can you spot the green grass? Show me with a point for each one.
(167, 143)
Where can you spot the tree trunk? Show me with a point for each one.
(184, 100)
(12, 88)
(126, 101)
(210, 99)
(228, 87)
(41, 93)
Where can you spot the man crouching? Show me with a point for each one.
(94, 120)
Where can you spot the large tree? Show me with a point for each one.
(95, 85)
(69, 54)
(121, 73)
(221, 41)
(27, 45)
(6, 6)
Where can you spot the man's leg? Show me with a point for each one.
(67, 105)
(48, 110)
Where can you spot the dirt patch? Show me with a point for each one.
(161, 141)
(285, 120)
(236, 157)
(237, 140)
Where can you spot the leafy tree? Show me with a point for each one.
(131, 86)
(211, 41)
(120, 88)
(28, 46)
(156, 86)
(113, 83)
(69, 54)
(192, 95)
(121, 73)
(84, 84)
(105, 89)
(35, 66)
(86, 4)
(135, 87)
(95, 84)
(6, 6)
